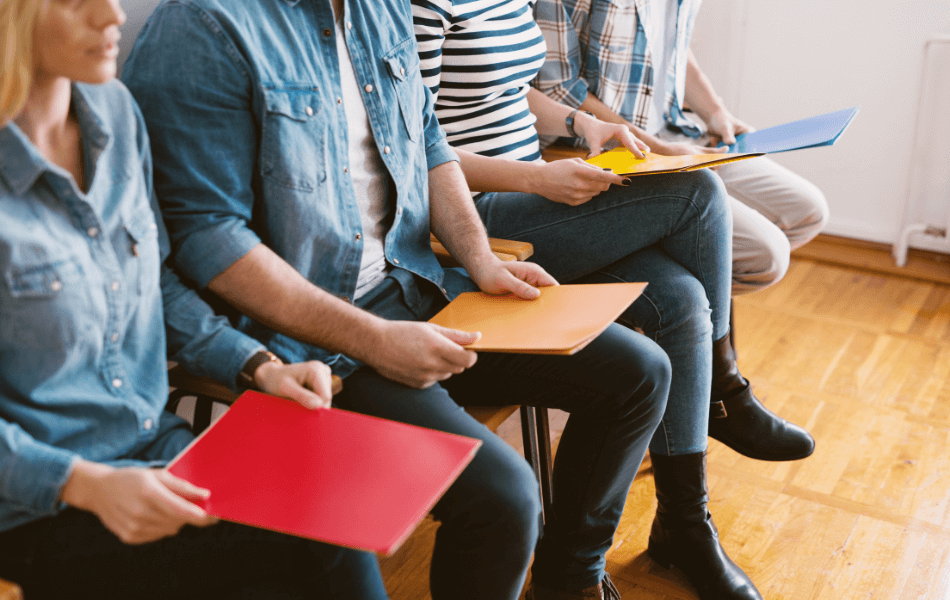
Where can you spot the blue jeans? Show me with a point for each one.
(673, 231)
(615, 390)
(73, 555)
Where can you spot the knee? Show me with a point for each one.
(812, 218)
(654, 387)
(678, 307)
(513, 501)
(712, 194)
(761, 266)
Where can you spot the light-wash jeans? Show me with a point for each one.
(672, 231)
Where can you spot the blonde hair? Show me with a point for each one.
(17, 21)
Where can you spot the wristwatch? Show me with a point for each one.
(245, 379)
(569, 121)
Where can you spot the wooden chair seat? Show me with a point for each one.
(10, 591)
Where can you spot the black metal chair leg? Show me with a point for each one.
(545, 458)
(536, 434)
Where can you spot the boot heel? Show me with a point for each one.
(660, 555)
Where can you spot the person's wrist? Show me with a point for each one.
(248, 378)
(532, 176)
(264, 371)
(582, 121)
(79, 489)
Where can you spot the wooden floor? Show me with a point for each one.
(863, 361)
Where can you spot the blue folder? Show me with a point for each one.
(823, 130)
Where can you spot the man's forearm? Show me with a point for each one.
(454, 219)
(603, 112)
(266, 288)
(700, 95)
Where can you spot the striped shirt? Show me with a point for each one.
(604, 47)
(478, 58)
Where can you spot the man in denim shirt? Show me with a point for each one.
(300, 167)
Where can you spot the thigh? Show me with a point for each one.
(573, 241)
(783, 197)
(73, 551)
(497, 476)
(599, 378)
(673, 294)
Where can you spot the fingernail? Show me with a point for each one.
(625, 182)
(608, 170)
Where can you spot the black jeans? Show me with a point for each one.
(72, 555)
(615, 390)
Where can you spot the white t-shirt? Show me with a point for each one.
(368, 173)
(662, 35)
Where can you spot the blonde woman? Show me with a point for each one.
(83, 387)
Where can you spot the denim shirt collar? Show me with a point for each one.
(22, 164)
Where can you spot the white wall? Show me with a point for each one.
(136, 12)
(775, 61)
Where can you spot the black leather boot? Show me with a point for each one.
(740, 421)
(683, 534)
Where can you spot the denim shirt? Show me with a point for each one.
(244, 108)
(82, 341)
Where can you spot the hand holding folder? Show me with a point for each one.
(327, 474)
(562, 320)
(821, 130)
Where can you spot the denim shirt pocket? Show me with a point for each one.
(142, 256)
(42, 299)
(293, 120)
(402, 63)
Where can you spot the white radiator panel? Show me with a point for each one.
(927, 208)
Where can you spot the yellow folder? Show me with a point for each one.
(622, 162)
(563, 320)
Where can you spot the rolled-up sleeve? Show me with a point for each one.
(31, 473)
(560, 75)
(198, 107)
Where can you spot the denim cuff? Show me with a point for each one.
(35, 476)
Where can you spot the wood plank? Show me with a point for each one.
(872, 256)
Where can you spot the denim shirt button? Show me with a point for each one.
(114, 337)
(349, 25)
(339, 100)
(147, 424)
(116, 383)
(386, 150)
(56, 285)
(402, 71)
(369, 88)
(93, 232)
(395, 261)
(359, 237)
(327, 33)
(309, 111)
(115, 285)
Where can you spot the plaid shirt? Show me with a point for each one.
(601, 47)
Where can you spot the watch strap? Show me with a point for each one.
(245, 379)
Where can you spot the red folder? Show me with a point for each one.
(329, 475)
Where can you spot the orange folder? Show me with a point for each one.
(564, 319)
(622, 162)
(328, 474)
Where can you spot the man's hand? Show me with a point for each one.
(308, 383)
(519, 278)
(572, 181)
(724, 127)
(138, 505)
(421, 354)
(598, 133)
